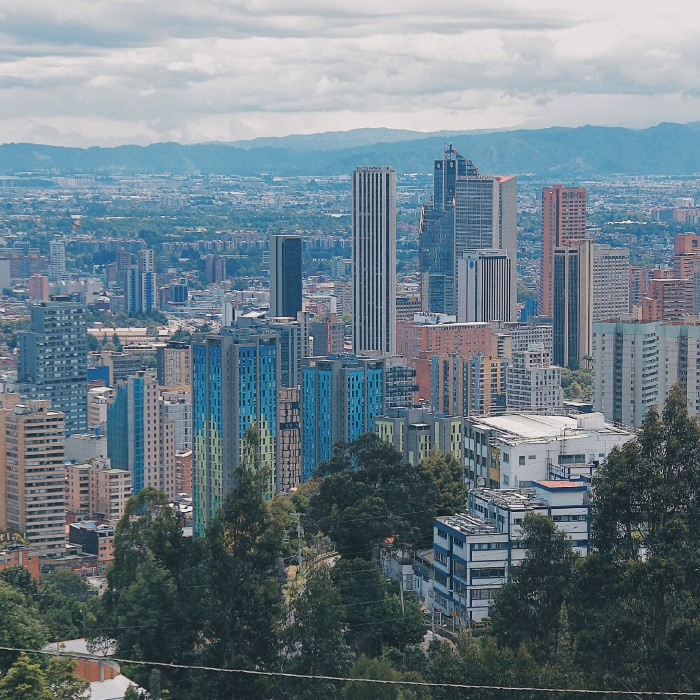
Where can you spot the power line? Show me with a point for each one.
(341, 679)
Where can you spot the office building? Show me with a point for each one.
(52, 361)
(140, 436)
(178, 292)
(417, 433)
(289, 448)
(573, 312)
(57, 260)
(474, 553)
(374, 259)
(485, 220)
(285, 276)
(174, 365)
(563, 223)
(235, 379)
(611, 289)
(534, 384)
(340, 397)
(516, 449)
(32, 476)
(484, 283)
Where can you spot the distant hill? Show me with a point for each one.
(555, 153)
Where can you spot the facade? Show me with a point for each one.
(485, 282)
(573, 308)
(38, 287)
(340, 398)
(417, 433)
(611, 289)
(449, 384)
(515, 449)
(534, 384)
(52, 361)
(140, 436)
(668, 299)
(508, 338)
(437, 334)
(487, 385)
(636, 364)
(374, 259)
(285, 275)
(174, 365)
(177, 407)
(96, 490)
(94, 539)
(327, 336)
(235, 378)
(99, 398)
(32, 476)
(57, 260)
(183, 472)
(289, 449)
(563, 223)
(140, 284)
(474, 553)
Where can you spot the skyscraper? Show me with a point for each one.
(32, 475)
(573, 312)
(140, 284)
(53, 359)
(374, 259)
(611, 288)
(563, 222)
(285, 275)
(234, 385)
(485, 283)
(57, 260)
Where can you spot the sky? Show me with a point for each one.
(109, 72)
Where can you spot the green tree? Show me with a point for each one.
(20, 624)
(24, 681)
(448, 475)
(377, 669)
(62, 681)
(527, 608)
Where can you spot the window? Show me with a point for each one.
(491, 572)
(521, 460)
(441, 533)
(484, 593)
(442, 558)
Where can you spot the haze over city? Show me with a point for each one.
(111, 72)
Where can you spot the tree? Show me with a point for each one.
(527, 608)
(20, 624)
(63, 683)
(19, 578)
(24, 681)
(314, 639)
(448, 475)
(377, 669)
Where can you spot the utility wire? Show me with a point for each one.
(340, 679)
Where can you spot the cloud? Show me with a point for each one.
(122, 71)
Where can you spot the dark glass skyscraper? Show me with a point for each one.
(285, 276)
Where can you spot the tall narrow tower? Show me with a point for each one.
(285, 276)
(563, 223)
(374, 259)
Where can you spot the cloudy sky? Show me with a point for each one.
(106, 72)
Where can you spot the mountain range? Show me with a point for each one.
(552, 153)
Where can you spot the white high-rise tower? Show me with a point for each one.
(374, 259)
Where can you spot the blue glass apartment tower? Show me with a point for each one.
(340, 398)
(285, 276)
(234, 385)
(53, 359)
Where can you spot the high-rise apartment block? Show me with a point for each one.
(374, 259)
(611, 288)
(285, 275)
(289, 447)
(636, 364)
(437, 334)
(563, 223)
(340, 397)
(327, 334)
(508, 338)
(140, 436)
(140, 284)
(667, 299)
(32, 475)
(96, 490)
(534, 384)
(487, 385)
(235, 379)
(573, 311)
(177, 406)
(57, 260)
(52, 361)
(174, 365)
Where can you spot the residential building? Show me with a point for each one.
(174, 365)
(183, 472)
(285, 275)
(140, 436)
(94, 539)
(52, 360)
(417, 433)
(177, 407)
(340, 397)
(573, 312)
(638, 286)
(515, 449)
(487, 385)
(289, 448)
(38, 287)
(534, 384)
(563, 224)
(122, 365)
(57, 260)
(374, 259)
(235, 379)
(327, 334)
(508, 338)
(32, 475)
(668, 299)
(449, 384)
(474, 554)
(95, 490)
(611, 289)
(99, 398)
(439, 334)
